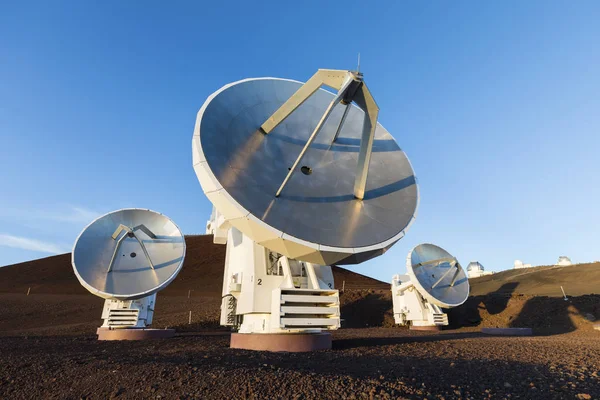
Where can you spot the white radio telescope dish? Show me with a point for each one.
(435, 279)
(437, 275)
(300, 178)
(320, 209)
(128, 254)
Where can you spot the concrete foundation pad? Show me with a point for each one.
(134, 334)
(292, 342)
(430, 328)
(508, 331)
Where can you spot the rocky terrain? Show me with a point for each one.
(48, 348)
(364, 364)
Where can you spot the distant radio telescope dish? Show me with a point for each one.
(316, 215)
(128, 254)
(437, 275)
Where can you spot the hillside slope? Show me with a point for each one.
(59, 305)
(202, 273)
(577, 280)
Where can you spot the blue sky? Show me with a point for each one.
(495, 103)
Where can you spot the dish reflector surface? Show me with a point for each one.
(316, 218)
(425, 270)
(131, 276)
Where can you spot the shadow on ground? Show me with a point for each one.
(554, 315)
(545, 315)
(349, 343)
(470, 313)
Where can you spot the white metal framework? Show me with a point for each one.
(265, 292)
(130, 232)
(120, 314)
(226, 159)
(350, 87)
(411, 308)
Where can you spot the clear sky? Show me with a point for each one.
(497, 105)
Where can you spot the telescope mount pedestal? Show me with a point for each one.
(130, 320)
(412, 309)
(288, 342)
(272, 302)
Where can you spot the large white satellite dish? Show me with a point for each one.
(126, 257)
(296, 189)
(300, 178)
(435, 280)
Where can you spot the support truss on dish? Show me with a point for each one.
(451, 261)
(351, 88)
(130, 232)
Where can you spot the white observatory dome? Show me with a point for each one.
(475, 270)
(564, 261)
(475, 266)
(519, 264)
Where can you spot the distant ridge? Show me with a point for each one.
(577, 280)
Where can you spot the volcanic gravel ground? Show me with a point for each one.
(365, 363)
(48, 350)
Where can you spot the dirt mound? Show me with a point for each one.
(577, 280)
(59, 305)
(532, 297)
(52, 275)
(202, 273)
(72, 315)
(56, 314)
(366, 308)
(546, 315)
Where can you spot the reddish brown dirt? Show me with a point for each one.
(58, 304)
(53, 314)
(364, 364)
(546, 315)
(202, 273)
(48, 348)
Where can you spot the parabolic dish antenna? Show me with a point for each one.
(316, 210)
(128, 254)
(437, 275)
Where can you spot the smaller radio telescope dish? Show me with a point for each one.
(437, 275)
(126, 257)
(435, 279)
(128, 254)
